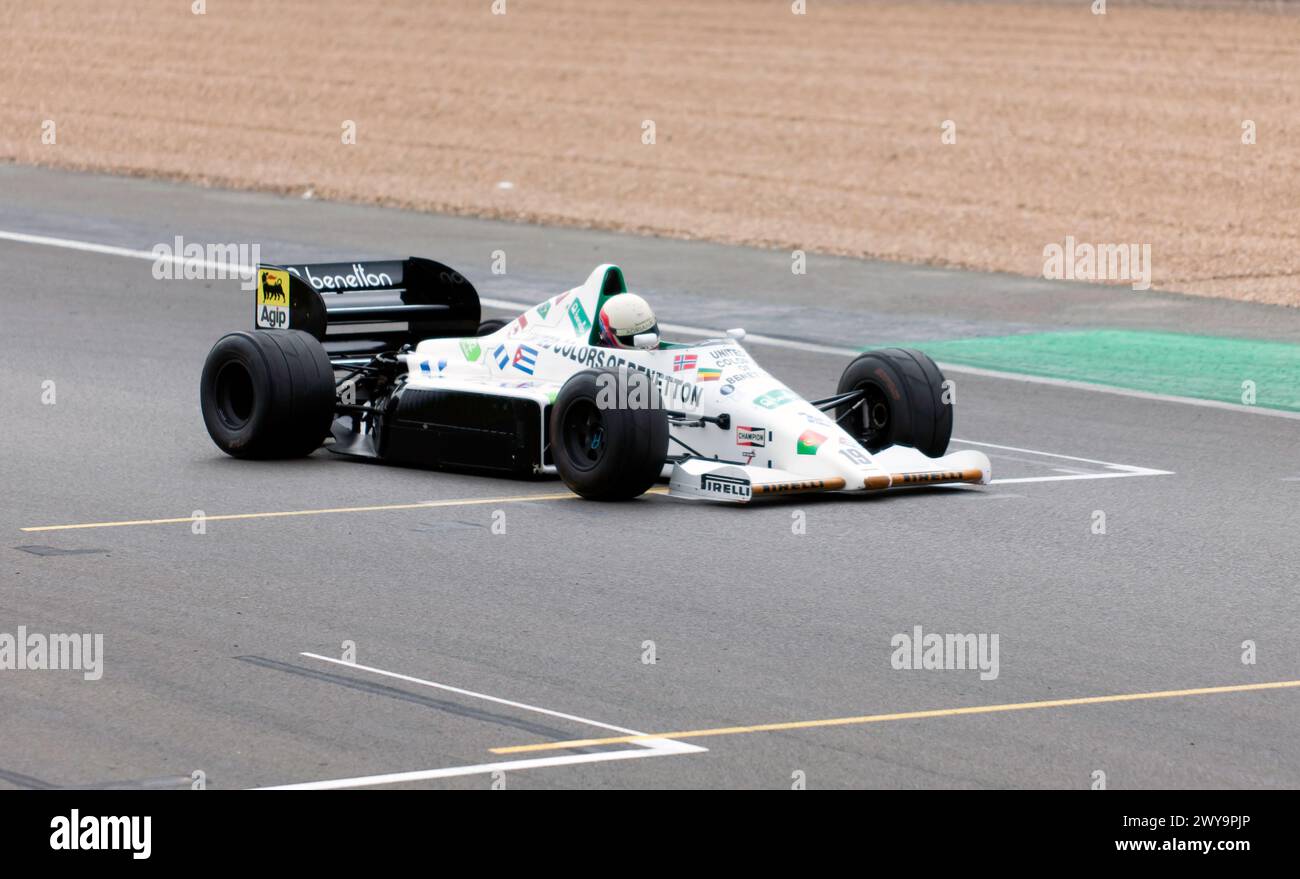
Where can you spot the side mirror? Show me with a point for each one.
(738, 333)
(646, 341)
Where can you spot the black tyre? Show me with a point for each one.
(488, 327)
(603, 452)
(267, 394)
(903, 402)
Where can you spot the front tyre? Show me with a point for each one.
(267, 394)
(604, 452)
(902, 404)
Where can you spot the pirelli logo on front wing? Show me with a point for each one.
(741, 488)
(897, 480)
(729, 486)
(833, 484)
(932, 476)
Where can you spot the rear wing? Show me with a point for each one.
(362, 308)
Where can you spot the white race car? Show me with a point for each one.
(389, 361)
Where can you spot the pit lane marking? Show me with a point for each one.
(646, 746)
(757, 338)
(374, 508)
(905, 715)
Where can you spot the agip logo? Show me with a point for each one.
(272, 299)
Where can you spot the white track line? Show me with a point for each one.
(477, 769)
(1023, 479)
(110, 250)
(757, 338)
(470, 693)
(653, 747)
(1054, 455)
(1123, 469)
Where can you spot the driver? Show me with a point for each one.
(624, 317)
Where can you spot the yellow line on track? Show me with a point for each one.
(228, 517)
(881, 718)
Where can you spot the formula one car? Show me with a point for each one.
(389, 361)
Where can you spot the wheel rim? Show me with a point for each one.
(234, 395)
(583, 429)
(873, 416)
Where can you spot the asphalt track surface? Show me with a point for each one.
(469, 641)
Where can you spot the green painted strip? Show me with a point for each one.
(1204, 367)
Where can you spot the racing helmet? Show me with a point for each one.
(623, 317)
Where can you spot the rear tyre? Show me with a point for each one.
(488, 327)
(902, 405)
(603, 452)
(267, 394)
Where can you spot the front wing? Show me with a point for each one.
(896, 467)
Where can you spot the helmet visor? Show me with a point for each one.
(628, 341)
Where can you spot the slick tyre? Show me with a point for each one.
(903, 402)
(267, 394)
(488, 327)
(604, 452)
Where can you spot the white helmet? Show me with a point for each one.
(623, 317)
